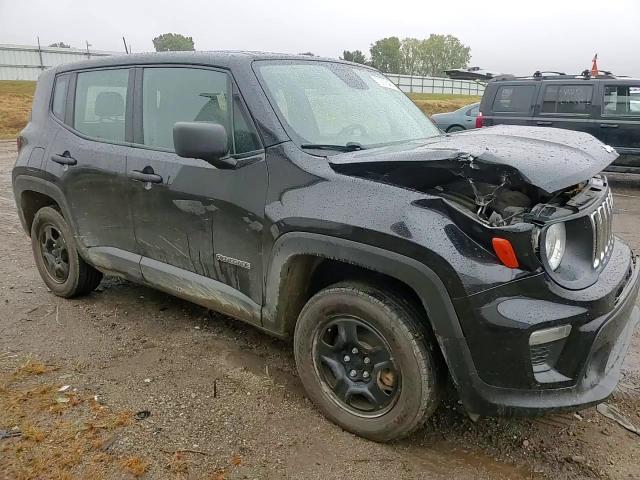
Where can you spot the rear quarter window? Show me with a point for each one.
(59, 100)
(514, 98)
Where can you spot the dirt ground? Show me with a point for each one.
(224, 399)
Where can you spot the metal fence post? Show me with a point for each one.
(40, 54)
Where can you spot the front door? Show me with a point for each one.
(190, 217)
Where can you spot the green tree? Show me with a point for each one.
(355, 56)
(172, 42)
(411, 56)
(60, 45)
(442, 52)
(385, 55)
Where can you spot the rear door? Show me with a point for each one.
(88, 156)
(191, 217)
(512, 104)
(619, 121)
(568, 105)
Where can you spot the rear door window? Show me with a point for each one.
(100, 104)
(514, 98)
(621, 100)
(572, 99)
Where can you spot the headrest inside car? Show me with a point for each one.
(109, 104)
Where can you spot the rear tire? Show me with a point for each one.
(399, 391)
(56, 255)
(455, 128)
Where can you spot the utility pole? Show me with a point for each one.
(40, 54)
(88, 45)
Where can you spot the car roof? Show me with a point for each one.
(219, 58)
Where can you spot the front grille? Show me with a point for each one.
(540, 354)
(601, 223)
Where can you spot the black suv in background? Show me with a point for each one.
(605, 106)
(311, 198)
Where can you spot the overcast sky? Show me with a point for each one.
(511, 36)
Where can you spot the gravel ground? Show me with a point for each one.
(225, 401)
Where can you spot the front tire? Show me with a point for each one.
(54, 249)
(367, 361)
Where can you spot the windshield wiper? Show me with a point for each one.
(349, 147)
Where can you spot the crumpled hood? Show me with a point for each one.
(548, 158)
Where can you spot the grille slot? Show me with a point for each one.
(601, 224)
(540, 354)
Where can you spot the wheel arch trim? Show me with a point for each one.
(417, 276)
(25, 183)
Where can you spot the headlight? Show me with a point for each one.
(554, 244)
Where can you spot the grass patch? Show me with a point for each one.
(431, 103)
(16, 98)
(64, 435)
(15, 106)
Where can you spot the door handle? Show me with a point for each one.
(64, 159)
(139, 176)
(544, 123)
(608, 125)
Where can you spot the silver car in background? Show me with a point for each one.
(462, 119)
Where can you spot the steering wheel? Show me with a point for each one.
(355, 127)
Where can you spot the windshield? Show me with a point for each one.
(325, 104)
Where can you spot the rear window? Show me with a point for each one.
(622, 100)
(514, 98)
(574, 99)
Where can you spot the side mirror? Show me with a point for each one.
(203, 140)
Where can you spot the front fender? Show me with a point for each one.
(424, 281)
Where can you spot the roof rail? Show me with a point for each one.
(540, 74)
(543, 75)
(601, 74)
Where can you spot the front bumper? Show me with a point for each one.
(492, 364)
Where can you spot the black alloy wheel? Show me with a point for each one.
(368, 360)
(61, 267)
(357, 367)
(55, 254)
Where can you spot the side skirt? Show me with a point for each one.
(204, 291)
(176, 281)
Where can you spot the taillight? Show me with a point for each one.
(479, 120)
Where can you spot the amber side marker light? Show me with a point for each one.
(504, 251)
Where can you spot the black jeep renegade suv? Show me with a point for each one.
(312, 199)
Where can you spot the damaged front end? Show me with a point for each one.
(511, 187)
